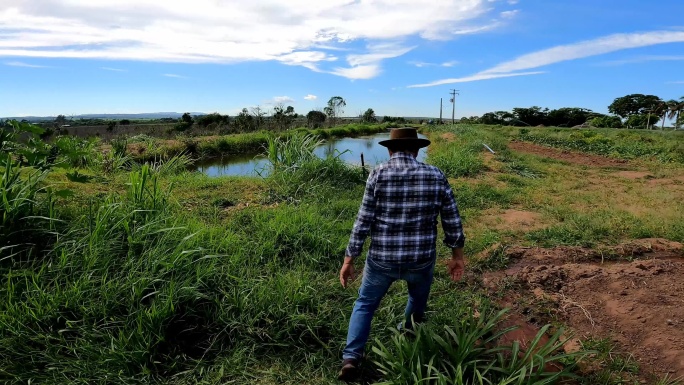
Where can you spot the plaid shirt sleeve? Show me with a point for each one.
(364, 219)
(451, 220)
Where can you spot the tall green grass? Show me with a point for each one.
(295, 172)
(469, 352)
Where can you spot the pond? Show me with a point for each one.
(351, 149)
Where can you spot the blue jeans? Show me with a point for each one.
(377, 278)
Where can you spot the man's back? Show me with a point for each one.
(400, 207)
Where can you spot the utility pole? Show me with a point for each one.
(440, 110)
(453, 94)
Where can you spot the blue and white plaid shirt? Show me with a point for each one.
(399, 210)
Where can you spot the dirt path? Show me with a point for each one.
(567, 156)
(638, 304)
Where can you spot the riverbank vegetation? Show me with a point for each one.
(113, 271)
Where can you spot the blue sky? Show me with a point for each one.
(395, 56)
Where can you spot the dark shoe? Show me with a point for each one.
(349, 371)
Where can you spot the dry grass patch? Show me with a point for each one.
(513, 220)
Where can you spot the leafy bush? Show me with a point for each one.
(119, 147)
(77, 152)
(19, 203)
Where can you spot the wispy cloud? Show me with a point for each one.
(588, 48)
(367, 65)
(22, 64)
(567, 52)
(643, 59)
(301, 32)
(176, 76)
(310, 97)
(281, 99)
(113, 69)
(509, 14)
(677, 82)
(421, 64)
(472, 78)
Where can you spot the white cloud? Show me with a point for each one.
(643, 59)
(472, 78)
(282, 99)
(113, 69)
(367, 65)
(22, 64)
(299, 32)
(508, 14)
(310, 97)
(587, 48)
(421, 64)
(176, 76)
(679, 82)
(513, 2)
(567, 52)
(358, 72)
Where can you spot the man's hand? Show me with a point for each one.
(456, 265)
(347, 273)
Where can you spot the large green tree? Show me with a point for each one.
(532, 116)
(675, 110)
(641, 121)
(244, 121)
(634, 104)
(569, 116)
(335, 108)
(315, 119)
(283, 117)
(213, 120)
(369, 116)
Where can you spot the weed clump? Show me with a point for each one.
(295, 171)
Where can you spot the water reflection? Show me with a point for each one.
(348, 149)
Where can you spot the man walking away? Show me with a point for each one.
(400, 206)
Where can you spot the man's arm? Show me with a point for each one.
(364, 219)
(360, 231)
(451, 219)
(453, 232)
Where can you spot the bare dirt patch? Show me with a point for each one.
(634, 174)
(567, 156)
(513, 219)
(635, 297)
(448, 136)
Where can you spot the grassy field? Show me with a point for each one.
(140, 274)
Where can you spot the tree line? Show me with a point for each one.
(630, 111)
(281, 117)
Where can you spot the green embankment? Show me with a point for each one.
(236, 144)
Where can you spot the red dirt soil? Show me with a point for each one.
(566, 156)
(637, 304)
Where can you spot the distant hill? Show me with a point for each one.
(146, 115)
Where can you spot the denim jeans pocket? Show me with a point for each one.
(421, 268)
(378, 266)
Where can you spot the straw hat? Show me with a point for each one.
(405, 136)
